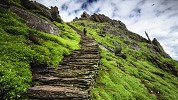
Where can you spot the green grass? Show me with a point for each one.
(131, 78)
(118, 79)
(18, 51)
(13, 2)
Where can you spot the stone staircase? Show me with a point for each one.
(72, 79)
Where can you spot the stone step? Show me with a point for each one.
(84, 56)
(71, 63)
(86, 52)
(89, 49)
(93, 67)
(60, 67)
(77, 73)
(78, 53)
(87, 38)
(92, 44)
(44, 72)
(81, 60)
(56, 81)
(48, 92)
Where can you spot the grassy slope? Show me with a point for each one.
(130, 78)
(17, 52)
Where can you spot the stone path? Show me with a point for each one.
(73, 79)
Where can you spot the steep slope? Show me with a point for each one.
(23, 47)
(132, 67)
(54, 60)
(73, 79)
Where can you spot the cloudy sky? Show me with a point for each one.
(159, 18)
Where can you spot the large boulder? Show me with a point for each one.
(35, 22)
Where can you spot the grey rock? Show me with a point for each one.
(35, 22)
(85, 15)
(52, 13)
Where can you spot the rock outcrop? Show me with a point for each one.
(85, 15)
(35, 22)
(158, 48)
(52, 13)
(101, 18)
(55, 14)
(73, 79)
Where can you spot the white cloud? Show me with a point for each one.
(158, 17)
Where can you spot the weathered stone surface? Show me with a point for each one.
(34, 39)
(56, 92)
(156, 48)
(85, 15)
(101, 18)
(164, 65)
(135, 46)
(73, 79)
(122, 54)
(118, 24)
(36, 22)
(52, 13)
(156, 43)
(118, 50)
(76, 19)
(136, 37)
(55, 14)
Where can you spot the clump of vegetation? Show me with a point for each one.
(135, 77)
(12, 2)
(21, 46)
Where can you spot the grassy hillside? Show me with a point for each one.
(22, 47)
(134, 77)
(137, 72)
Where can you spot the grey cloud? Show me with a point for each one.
(160, 12)
(135, 13)
(172, 15)
(173, 29)
(64, 6)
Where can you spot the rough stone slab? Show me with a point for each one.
(36, 22)
(56, 92)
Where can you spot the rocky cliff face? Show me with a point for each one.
(52, 13)
(36, 15)
(35, 22)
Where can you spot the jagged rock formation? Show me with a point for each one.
(85, 15)
(157, 46)
(101, 18)
(122, 32)
(73, 79)
(52, 13)
(35, 22)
